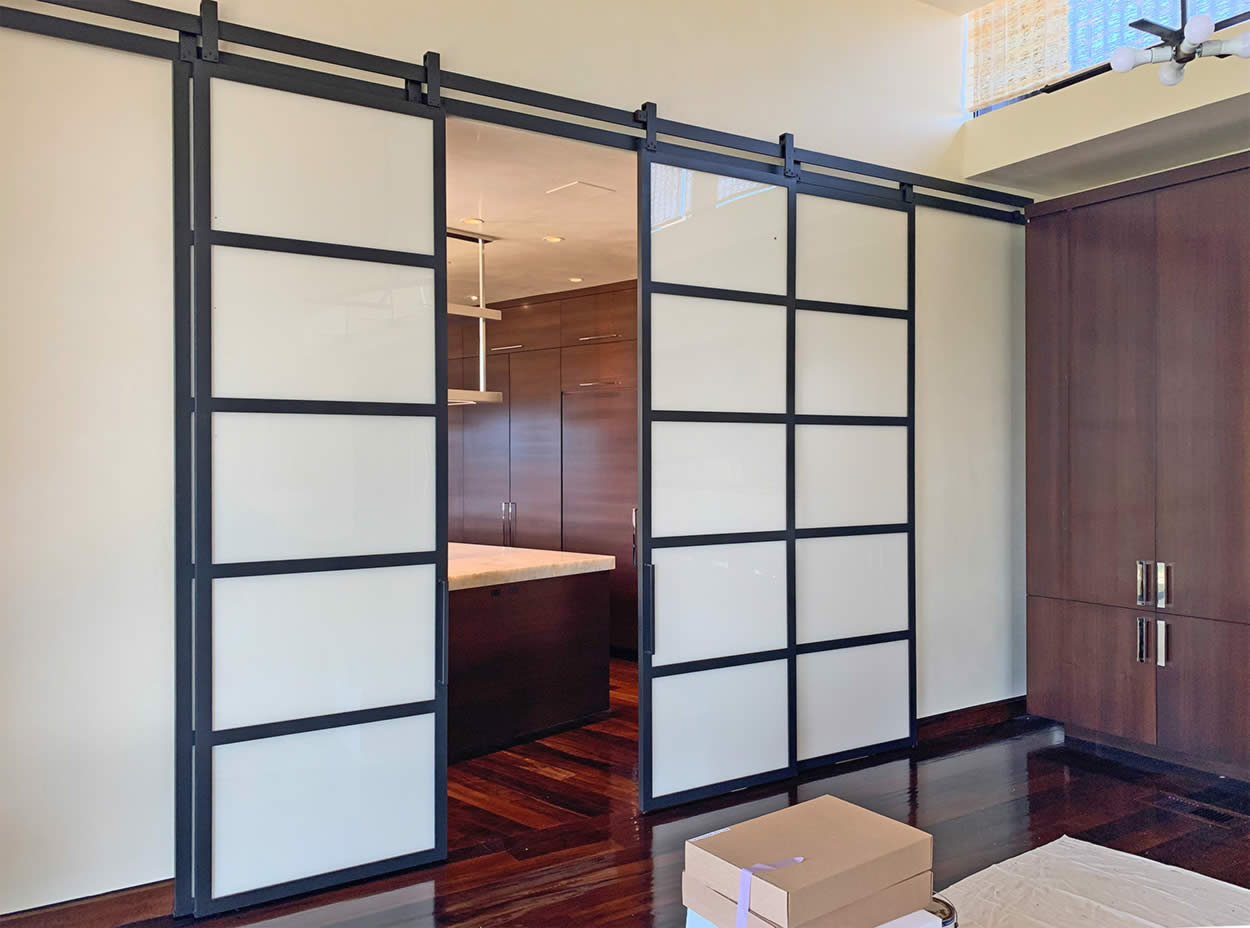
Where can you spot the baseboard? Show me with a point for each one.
(107, 910)
(972, 718)
(1125, 750)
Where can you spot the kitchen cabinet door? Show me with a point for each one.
(1085, 667)
(1112, 398)
(609, 366)
(1047, 327)
(1204, 688)
(600, 431)
(524, 327)
(534, 427)
(1204, 395)
(600, 317)
(486, 475)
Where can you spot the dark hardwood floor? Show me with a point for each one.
(547, 833)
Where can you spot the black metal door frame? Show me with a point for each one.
(196, 52)
(196, 859)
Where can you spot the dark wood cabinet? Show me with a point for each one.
(1086, 667)
(1047, 329)
(606, 316)
(1204, 689)
(600, 464)
(525, 327)
(1138, 449)
(534, 448)
(609, 366)
(1111, 399)
(486, 480)
(1204, 395)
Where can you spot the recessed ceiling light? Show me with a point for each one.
(473, 297)
(553, 238)
(575, 280)
(472, 220)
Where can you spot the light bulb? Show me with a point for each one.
(1199, 29)
(1171, 73)
(1126, 58)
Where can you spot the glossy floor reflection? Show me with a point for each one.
(547, 834)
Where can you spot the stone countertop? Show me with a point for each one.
(470, 566)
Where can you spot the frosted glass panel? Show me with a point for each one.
(299, 805)
(850, 253)
(850, 475)
(290, 646)
(718, 725)
(853, 698)
(710, 477)
(296, 166)
(292, 486)
(715, 600)
(301, 327)
(847, 365)
(717, 355)
(849, 586)
(715, 231)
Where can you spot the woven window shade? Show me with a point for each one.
(1014, 46)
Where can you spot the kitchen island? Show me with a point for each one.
(528, 644)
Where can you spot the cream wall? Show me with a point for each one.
(87, 657)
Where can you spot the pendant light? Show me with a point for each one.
(481, 394)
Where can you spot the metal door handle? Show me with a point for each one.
(512, 523)
(506, 347)
(648, 626)
(503, 518)
(1161, 642)
(1143, 636)
(1143, 583)
(445, 621)
(600, 383)
(633, 519)
(1163, 583)
(591, 338)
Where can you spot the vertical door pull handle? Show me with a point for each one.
(1142, 640)
(503, 520)
(444, 606)
(1161, 642)
(1163, 585)
(1143, 583)
(633, 519)
(648, 627)
(511, 523)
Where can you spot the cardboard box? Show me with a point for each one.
(848, 854)
(875, 911)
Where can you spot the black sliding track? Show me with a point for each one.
(424, 88)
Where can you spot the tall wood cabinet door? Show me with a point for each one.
(486, 477)
(1204, 395)
(455, 454)
(1111, 400)
(1204, 689)
(1047, 329)
(601, 491)
(534, 417)
(1085, 667)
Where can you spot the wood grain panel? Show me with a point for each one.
(600, 317)
(529, 327)
(1112, 398)
(599, 367)
(1204, 690)
(1204, 395)
(1047, 329)
(486, 474)
(525, 658)
(1083, 668)
(600, 463)
(534, 427)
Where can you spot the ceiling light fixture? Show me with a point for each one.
(553, 239)
(575, 280)
(473, 297)
(472, 220)
(1180, 46)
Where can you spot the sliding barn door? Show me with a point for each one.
(320, 486)
(775, 525)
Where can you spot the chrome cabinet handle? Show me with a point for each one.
(1143, 583)
(512, 523)
(503, 517)
(1142, 640)
(506, 347)
(1161, 643)
(593, 338)
(600, 383)
(633, 519)
(1163, 583)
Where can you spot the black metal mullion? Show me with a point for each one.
(792, 658)
(908, 195)
(855, 641)
(242, 404)
(646, 577)
(307, 565)
(970, 209)
(718, 293)
(721, 663)
(727, 538)
(326, 722)
(852, 309)
(296, 246)
(842, 531)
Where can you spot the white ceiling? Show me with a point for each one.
(503, 175)
(957, 6)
